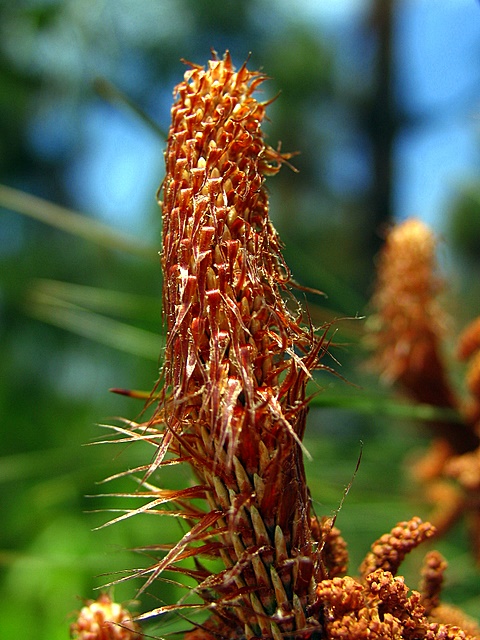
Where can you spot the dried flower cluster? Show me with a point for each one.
(379, 605)
(103, 619)
(233, 404)
(409, 327)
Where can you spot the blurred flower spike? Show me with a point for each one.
(408, 334)
(409, 320)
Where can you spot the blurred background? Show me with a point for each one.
(381, 100)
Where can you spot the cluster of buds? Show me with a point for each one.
(103, 619)
(233, 404)
(380, 606)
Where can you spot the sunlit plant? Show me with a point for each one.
(232, 405)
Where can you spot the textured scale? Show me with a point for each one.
(237, 359)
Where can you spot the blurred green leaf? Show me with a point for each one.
(72, 222)
(35, 464)
(127, 305)
(86, 323)
(375, 404)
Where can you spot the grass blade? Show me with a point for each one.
(94, 326)
(379, 405)
(126, 305)
(72, 222)
(110, 93)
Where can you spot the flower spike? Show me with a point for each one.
(232, 404)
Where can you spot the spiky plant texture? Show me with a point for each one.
(237, 359)
(232, 403)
